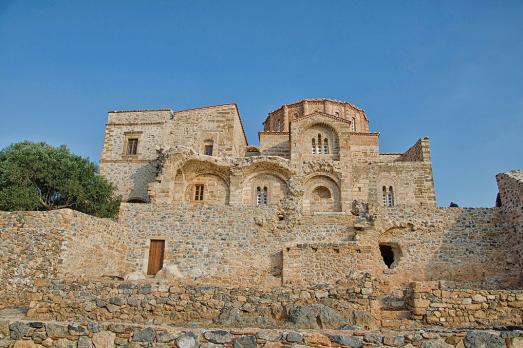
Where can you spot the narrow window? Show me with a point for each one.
(353, 125)
(313, 146)
(325, 146)
(265, 196)
(198, 192)
(208, 148)
(388, 196)
(258, 196)
(156, 255)
(319, 149)
(132, 146)
(391, 197)
(337, 114)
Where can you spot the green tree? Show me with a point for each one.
(38, 176)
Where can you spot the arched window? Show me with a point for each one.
(353, 125)
(278, 126)
(313, 146)
(337, 114)
(388, 196)
(325, 146)
(319, 149)
(262, 196)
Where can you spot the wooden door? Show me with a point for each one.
(156, 252)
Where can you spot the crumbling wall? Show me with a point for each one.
(37, 246)
(511, 195)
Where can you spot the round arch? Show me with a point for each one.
(321, 194)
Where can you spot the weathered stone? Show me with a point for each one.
(77, 330)
(84, 342)
(56, 330)
(244, 342)
(317, 340)
(24, 344)
(435, 344)
(117, 301)
(373, 337)
(218, 336)
(363, 319)
(147, 334)
(348, 340)
(4, 328)
(64, 343)
(187, 340)
(294, 337)
(104, 339)
(516, 342)
(18, 330)
(481, 339)
(394, 341)
(314, 316)
(164, 337)
(268, 335)
(134, 276)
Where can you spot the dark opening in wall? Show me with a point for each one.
(390, 253)
(136, 200)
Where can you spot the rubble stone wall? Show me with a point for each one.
(204, 305)
(511, 194)
(36, 246)
(32, 334)
(436, 305)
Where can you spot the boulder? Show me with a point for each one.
(482, 339)
(269, 335)
(314, 316)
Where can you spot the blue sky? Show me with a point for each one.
(450, 70)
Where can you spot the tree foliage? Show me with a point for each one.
(38, 176)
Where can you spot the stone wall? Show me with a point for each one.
(204, 305)
(434, 304)
(511, 194)
(325, 263)
(32, 334)
(473, 246)
(36, 246)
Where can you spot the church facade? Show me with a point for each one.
(317, 155)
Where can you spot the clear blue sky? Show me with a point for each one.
(450, 70)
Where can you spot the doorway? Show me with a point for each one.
(156, 254)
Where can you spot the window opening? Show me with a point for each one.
(198, 192)
(132, 146)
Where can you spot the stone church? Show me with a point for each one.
(319, 151)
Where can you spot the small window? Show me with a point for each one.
(262, 196)
(353, 125)
(198, 192)
(337, 114)
(319, 149)
(325, 146)
(388, 196)
(132, 146)
(208, 147)
(313, 146)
